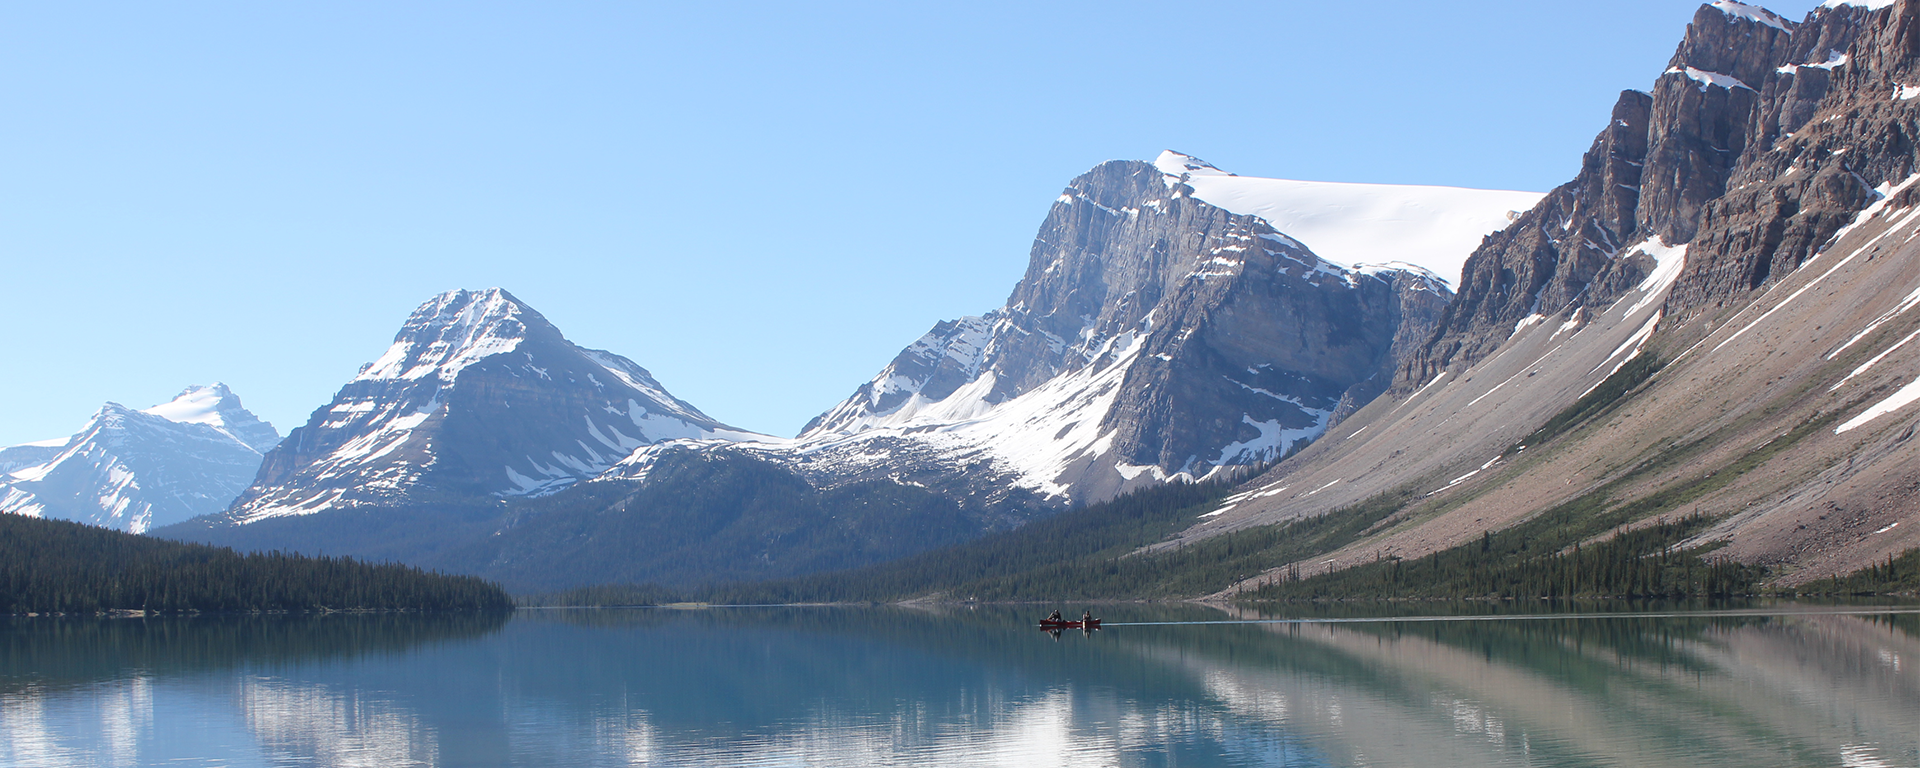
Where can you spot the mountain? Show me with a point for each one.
(464, 446)
(1165, 328)
(1708, 326)
(136, 470)
(1705, 334)
(217, 407)
(1156, 335)
(478, 399)
(30, 454)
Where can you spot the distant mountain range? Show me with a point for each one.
(1156, 335)
(136, 470)
(1709, 322)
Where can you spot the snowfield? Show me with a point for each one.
(1435, 228)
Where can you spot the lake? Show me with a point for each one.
(1778, 684)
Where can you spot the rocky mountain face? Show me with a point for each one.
(1739, 246)
(1705, 156)
(478, 399)
(1155, 334)
(136, 470)
(1829, 130)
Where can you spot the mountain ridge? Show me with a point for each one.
(136, 470)
(1141, 303)
(463, 370)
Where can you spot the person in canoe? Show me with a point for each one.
(1086, 619)
(1055, 616)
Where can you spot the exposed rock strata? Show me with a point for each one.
(1716, 158)
(1776, 216)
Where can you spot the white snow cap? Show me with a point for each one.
(216, 406)
(466, 327)
(1435, 228)
(195, 405)
(1871, 5)
(1756, 13)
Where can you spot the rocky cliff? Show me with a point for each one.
(1704, 157)
(1739, 248)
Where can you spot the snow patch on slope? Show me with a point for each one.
(1901, 399)
(1870, 212)
(1669, 261)
(1709, 79)
(1274, 440)
(1752, 13)
(1037, 437)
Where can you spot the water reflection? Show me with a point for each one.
(960, 687)
(1791, 690)
(211, 691)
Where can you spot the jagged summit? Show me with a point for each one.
(478, 397)
(454, 330)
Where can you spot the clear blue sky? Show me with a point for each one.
(761, 203)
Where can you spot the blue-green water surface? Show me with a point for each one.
(1770, 685)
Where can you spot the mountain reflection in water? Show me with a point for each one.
(952, 686)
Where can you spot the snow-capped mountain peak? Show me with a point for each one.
(478, 397)
(216, 406)
(1177, 166)
(135, 470)
(450, 332)
(1157, 289)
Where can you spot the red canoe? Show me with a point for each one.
(1051, 624)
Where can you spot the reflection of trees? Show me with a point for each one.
(60, 652)
(758, 668)
(862, 686)
(1628, 691)
(979, 685)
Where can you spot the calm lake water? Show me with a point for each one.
(1775, 685)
